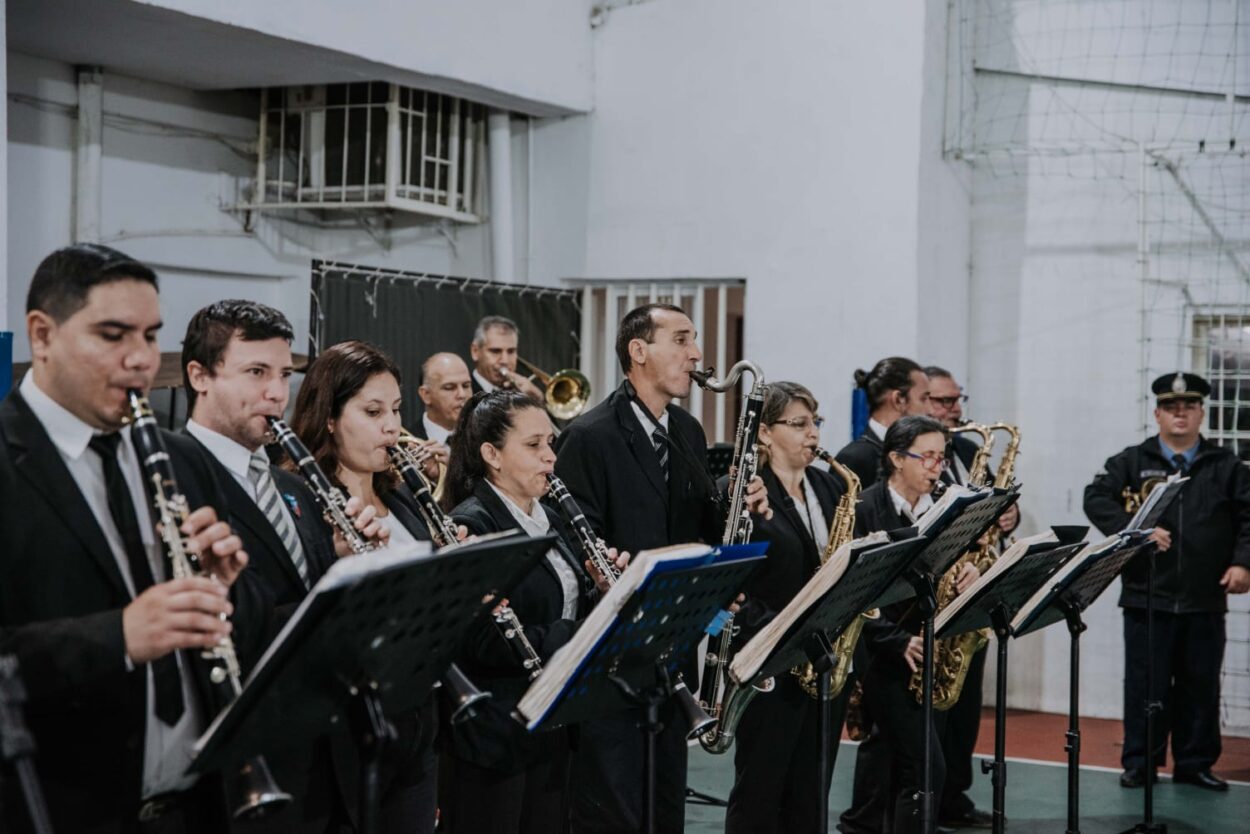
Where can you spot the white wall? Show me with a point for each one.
(747, 144)
(172, 159)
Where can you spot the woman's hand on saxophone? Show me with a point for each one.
(968, 574)
(913, 654)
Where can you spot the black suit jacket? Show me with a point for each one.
(884, 639)
(493, 740)
(863, 457)
(61, 601)
(793, 556)
(609, 465)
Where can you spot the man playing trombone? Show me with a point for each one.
(494, 352)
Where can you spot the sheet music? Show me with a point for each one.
(1009, 557)
(1045, 594)
(1144, 512)
(749, 658)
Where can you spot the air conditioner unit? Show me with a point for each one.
(369, 145)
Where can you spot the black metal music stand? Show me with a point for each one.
(948, 540)
(993, 604)
(17, 745)
(867, 584)
(373, 646)
(1073, 594)
(632, 664)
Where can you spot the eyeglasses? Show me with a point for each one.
(800, 423)
(929, 460)
(948, 402)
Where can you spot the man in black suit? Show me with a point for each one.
(637, 465)
(896, 387)
(107, 646)
(494, 354)
(237, 366)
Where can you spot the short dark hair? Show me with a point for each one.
(487, 322)
(936, 372)
(63, 280)
(485, 418)
(890, 374)
(334, 377)
(211, 328)
(902, 433)
(639, 324)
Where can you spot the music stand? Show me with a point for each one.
(631, 664)
(949, 538)
(1073, 593)
(993, 604)
(369, 639)
(866, 584)
(17, 745)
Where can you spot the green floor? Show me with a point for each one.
(1036, 799)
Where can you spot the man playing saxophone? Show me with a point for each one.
(1203, 554)
(776, 747)
(637, 465)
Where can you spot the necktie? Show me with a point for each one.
(169, 704)
(1181, 464)
(659, 438)
(271, 505)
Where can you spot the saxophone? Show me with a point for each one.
(954, 654)
(254, 782)
(729, 707)
(840, 532)
(1134, 499)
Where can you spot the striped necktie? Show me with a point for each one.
(659, 438)
(270, 504)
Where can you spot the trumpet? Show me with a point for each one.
(407, 463)
(334, 507)
(567, 391)
(254, 782)
(698, 721)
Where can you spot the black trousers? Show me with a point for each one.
(531, 801)
(776, 759)
(959, 738)
(607, 781)
(1188, 654)
(895, 757)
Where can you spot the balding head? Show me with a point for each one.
(445, 387)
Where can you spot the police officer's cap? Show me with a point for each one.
(1180, 386)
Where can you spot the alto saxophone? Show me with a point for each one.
(840, 532)
(728, 709)
(255, 783)
(1134, 499)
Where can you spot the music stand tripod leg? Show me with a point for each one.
(998, 768)
(926, 604)
(374, 733)
(820, 653)
(17, 745)
(1072, 614)
(1153, 708)
(649, 700)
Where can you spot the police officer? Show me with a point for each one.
(1203, 554)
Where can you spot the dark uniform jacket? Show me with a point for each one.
(1209, 522)
(884, 639)
(793, 557)
(863, 457)
(495, 739)
(61, 601)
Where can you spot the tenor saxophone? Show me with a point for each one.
(840, 532)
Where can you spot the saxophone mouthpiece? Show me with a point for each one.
(701, 377)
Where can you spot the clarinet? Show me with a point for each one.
(334, 507)
(255, 782)
(596, 552)
(738, 527)
(443, 532)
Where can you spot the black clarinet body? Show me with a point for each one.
(254, 784)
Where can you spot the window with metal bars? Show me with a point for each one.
(1222, 355)
(369, 145)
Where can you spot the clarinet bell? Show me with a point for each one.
(698, 721)
(259, 794)
(463, 694)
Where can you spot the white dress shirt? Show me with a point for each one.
(912, 514)
(536, 523)
(813, 516)
(236, 459)
(877, 428)
(487, 386)
(166, 750)
(434, 431)
(647, 421)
